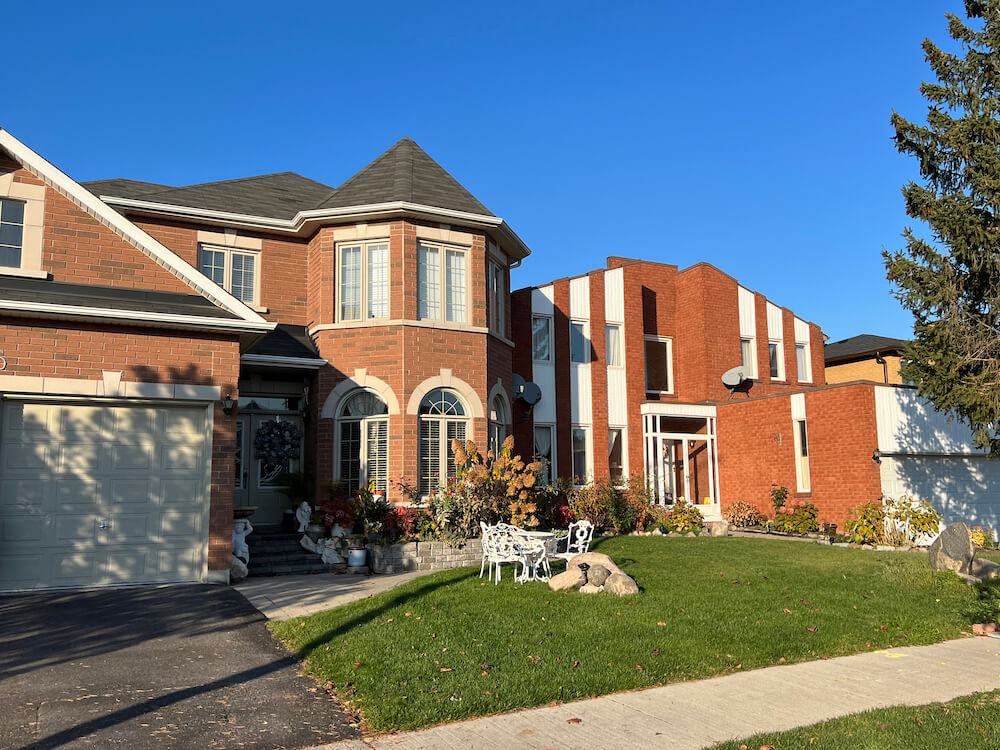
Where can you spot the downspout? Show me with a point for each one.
(885, 367)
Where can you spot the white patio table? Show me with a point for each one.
(541, 542)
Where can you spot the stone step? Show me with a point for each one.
(280, 569)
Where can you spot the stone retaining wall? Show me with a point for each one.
(397, 558)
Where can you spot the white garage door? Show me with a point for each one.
(100, 494)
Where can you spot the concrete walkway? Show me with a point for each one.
(284, 597)
(695, 715)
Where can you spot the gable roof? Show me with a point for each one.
(405, 173)
(860, 346)
(143, 242)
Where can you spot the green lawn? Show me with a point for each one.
(450, 646)
(969, 723)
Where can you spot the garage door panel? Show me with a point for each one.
(97, 495)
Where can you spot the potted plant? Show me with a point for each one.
(370, 509)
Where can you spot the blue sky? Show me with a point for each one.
(754, 136)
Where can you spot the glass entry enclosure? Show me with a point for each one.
(681, 456)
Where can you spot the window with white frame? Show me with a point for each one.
(363, 280)
(616, 454)
(803, 354)
(776, 360)
(659, 364)
(442, 419)
(235, 270)
(442, 283)
(801, 456)
(581, 455)
(541, 338)
(363, 442)
(498, 425)
(579, 343)
(545, 452)
(613, 345)
(498, 298)
(748, 355)
(11, 232)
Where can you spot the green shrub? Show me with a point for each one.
(911, 519)
(778, 497)
(744, 514)
(594, 503)
(685, 518)
(867, 526)
(657, 517)
(796, 517)
(986, 608)
(982, 537)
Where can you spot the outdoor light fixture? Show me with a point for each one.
(227, 404)
(877, 456)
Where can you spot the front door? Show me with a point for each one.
(682, 464)
(258, 482)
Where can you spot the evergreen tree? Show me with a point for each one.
(952, 282)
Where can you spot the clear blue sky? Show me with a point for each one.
(754, 136)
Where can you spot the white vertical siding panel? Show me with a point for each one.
(774, 324)
(581, 409)
(544, 376)
(801, 332)
(907, 423)
(617, 412)
(541, 300)
(748, 318)
(614, 295)
(579, 298)
(798, 406)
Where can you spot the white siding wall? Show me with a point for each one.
(801, 331)
(748, 319)
(614, 312)
(774, 323)
(579, 298)
(909, 424)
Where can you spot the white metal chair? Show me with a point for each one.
(577, 541)
(501, 545)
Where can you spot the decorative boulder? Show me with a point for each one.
(573, 578)
(597, 575)
(621, 584)
(983, 569)
(953, 550)
(589, 588)
(238, 572)
(592, 559)
(720, 528)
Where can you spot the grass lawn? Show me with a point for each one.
(970, 723)
(450, 646)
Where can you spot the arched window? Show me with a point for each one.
(363, 435)
(498, 424)
(442, 419)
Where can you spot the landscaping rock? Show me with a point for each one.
(720, 528)
(953, 550)
(572, 578)
(594, 558)
(983, 569)
(657, 532)
(589, 588)
(238, 572)
(597, 575)
(984, 628)
(621, 584)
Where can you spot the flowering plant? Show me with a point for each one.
(277, 442)
(796, 516)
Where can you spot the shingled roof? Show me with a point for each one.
(404, 173)
(857, 347)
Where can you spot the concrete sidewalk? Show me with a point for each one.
(284, 597)
(698, 714)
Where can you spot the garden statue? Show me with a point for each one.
(241, 529)
(330, 554)
(302, 515)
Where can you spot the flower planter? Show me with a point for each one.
(356, 558)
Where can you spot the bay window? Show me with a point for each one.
(442, 281)
(363, 281)
(498, 299)
(363, 435)
(442, 419)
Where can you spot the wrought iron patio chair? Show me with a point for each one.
(577, 541)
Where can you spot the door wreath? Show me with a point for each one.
(277, 442)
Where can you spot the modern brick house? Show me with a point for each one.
(147, 332)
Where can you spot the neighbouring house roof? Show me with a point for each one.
(42, 291)
(858, 347)
(286, 341)
(404, 173)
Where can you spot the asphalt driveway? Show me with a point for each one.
(170, 667)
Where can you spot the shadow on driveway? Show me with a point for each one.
(170, 667)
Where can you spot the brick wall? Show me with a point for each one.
(83, 351)
(865, 369)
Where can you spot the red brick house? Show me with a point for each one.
(148, 332)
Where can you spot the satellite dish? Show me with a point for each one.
(531, 394)
(737, 380)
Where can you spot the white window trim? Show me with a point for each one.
(496, 270)
(808, 373)
(32, 231)
(363, 458)
(669, 341)
(625, 471)
(548, 319)
(621, 345)
(589, 442)
(553, 449)
(753, 348)
(444, 248)
(802, 483)
(363, 295)
(588, 343)
(227, 284)
(781, 359)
